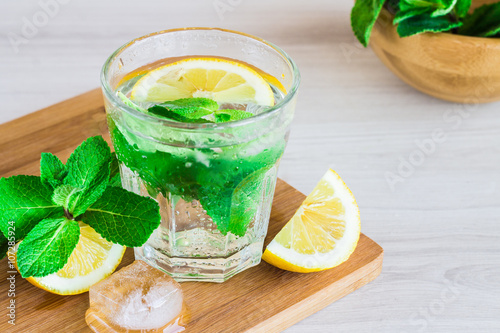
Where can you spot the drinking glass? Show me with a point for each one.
(214, 182)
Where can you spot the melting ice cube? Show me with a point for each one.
(138, 297)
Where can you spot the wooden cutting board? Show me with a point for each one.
(260, 299)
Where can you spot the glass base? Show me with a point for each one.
(201, 269)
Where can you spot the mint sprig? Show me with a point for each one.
(43, 211)
(419, 16)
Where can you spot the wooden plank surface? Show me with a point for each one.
(260, 299)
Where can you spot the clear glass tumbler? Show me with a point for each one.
(214, 182)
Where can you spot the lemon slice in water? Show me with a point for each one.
(222, 80)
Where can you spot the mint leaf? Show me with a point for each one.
(364, 14)
(430, 4)
(88, 170)
(47, 248)
(445, 8)
(435, 8)
(116, 181)
(66, 196)
(52, 170)
(186, 110)
(409, 4)
(191, 108)
(166, 113)
(114, 174)
(123, 217)
(114, 166)
(484, 22)
(425, 23)
(25, 201)
(246, 200)
(225, 115)
(4, 246)
(462, 7)
(404, 14)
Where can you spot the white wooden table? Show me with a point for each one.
(438, 223)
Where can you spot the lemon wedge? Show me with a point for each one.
(92, 260)
(322, 234)
(222, 80)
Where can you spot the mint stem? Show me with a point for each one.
(68, 215)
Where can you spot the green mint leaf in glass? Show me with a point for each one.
(462, 7)
(4, 246)
(483, 22)
(232, 209)
(425, 23)
(129, 103)
(114, 173)
(123, 217)
(225, 115)
(116, 181)
(25, 201)
(191, 108)
(47, 248)
(88, 169)
(52, 170)
(166, 113)
(364, 14)
(186, 110)
(247, 196)
(445, 7)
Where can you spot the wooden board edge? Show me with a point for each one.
(310, 305)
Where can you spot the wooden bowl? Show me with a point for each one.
(451, 67)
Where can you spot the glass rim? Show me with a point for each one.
(263, 115)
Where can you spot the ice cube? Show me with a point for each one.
(137, 297)
(255, 108)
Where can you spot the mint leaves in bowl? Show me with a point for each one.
(449, 49)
